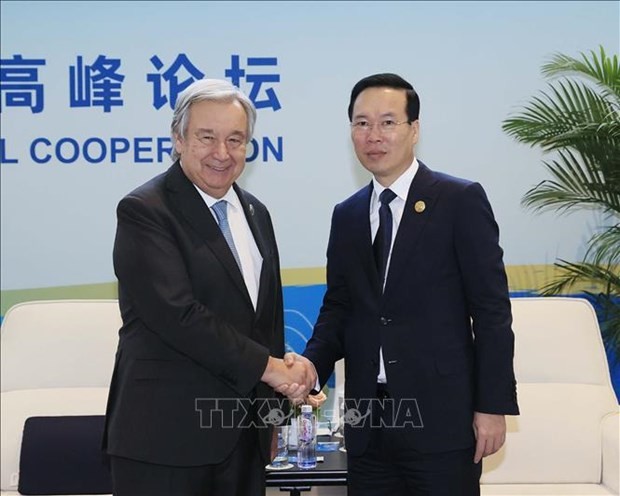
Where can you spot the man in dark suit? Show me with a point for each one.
(417, 305)
(201, 301)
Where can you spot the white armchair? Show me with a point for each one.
(56, 360)
(565, 442)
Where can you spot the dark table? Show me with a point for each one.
(331, 472)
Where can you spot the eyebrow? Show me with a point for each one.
(382, 116)
(212, 131)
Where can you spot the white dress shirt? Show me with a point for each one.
(401, 188)
(249, 255)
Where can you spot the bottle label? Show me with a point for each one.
(306, 429)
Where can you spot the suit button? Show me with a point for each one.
(385, 321)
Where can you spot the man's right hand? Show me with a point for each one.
(290, 376)
(297, 392)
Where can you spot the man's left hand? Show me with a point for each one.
(490, 432)
(297, 392)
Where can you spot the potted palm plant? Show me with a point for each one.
(576, 122)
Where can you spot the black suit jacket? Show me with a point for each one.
(190, 334)
(444, 319)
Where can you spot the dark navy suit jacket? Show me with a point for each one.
(443, 320)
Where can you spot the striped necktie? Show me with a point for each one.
(221, 212)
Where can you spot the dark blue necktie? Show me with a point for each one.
(383, 238)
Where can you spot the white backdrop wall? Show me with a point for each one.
(473, 63)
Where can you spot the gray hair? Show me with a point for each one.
(208, 89)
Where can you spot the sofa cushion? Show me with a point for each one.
(556, 439)
(64, 343)
(545, 490)
(62, 455)
(557, 340)
(17, 406)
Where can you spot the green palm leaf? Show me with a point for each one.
(608, 300)
(576, 184)
(604, 247)
(601, 69)
(577, 121)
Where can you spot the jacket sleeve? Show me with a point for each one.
(326, 347)
(486, 288)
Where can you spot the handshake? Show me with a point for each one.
(293, 376)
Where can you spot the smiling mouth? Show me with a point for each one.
(218, 169)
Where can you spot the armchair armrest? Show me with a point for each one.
(611, 461)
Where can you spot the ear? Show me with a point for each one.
(415, 131)
(178, 143)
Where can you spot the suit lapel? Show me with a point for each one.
(418, 210)
(361, 237)
(252, 218)
(265, 249)
(192, 207)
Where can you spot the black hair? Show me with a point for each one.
(387, 80)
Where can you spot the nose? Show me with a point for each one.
(373, 133)
(220, 152)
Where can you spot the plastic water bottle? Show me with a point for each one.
(306, 435)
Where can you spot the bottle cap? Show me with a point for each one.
(306, 408)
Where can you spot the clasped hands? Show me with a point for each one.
(293, 376)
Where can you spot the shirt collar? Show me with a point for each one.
(230, 196)
(402, 185)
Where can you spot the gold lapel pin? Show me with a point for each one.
(419, 206)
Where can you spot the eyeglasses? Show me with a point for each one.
(232, 143)
(386, 126)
